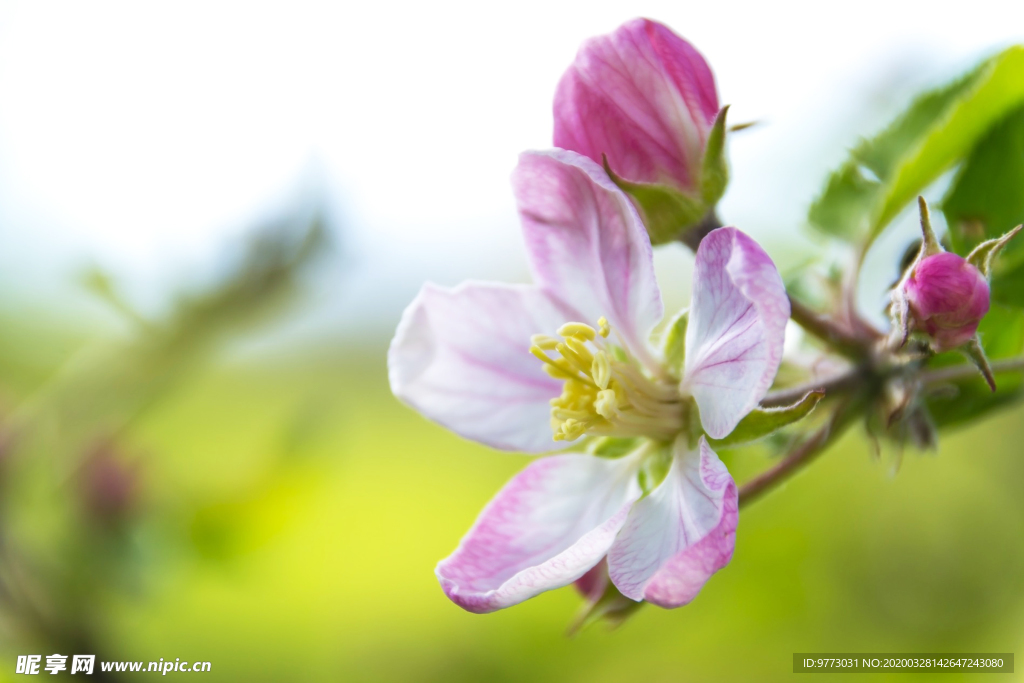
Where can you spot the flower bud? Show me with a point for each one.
(948, 297)
(642, 101)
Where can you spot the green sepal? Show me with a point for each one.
(612, 607)
(673, 343)
(981, 256)
(714, 175)
(613, 447)
(976, 355)
(655, 467)
(762, 422)
(666, 212)
(929, 242)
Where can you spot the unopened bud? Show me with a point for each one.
(947, 297)
(642, 102)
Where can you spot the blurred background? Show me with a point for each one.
(211, 217)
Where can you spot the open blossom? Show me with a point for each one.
(644, 97)
(568, 361)
(948, 297)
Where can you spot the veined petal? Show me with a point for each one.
(461, 357)
(546, 528)
(680, 534)
(644, 97)
(586, 243)
(737, 325)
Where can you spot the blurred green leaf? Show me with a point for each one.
(987, 199)
(939, 129)
(1002, 336)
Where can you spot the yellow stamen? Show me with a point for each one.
(606, 392)
(581, 330)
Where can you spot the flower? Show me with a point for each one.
(948, 297)
(517, 367)
(644, 99)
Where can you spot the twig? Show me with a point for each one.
(963, 371)
(831, 386)
(827, 330)
(804, 453)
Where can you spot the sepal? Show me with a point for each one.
(666, 211)
(976, 355)
(762, 422)
(714, 169)
(982, 255)
(604, 602)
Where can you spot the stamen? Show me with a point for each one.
(606, 392)
(544, 341)
(601, 370)
(577, 330)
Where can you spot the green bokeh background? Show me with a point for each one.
(295, 511)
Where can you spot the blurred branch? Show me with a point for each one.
(806, 451)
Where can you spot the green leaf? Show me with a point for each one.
(940, 129)
(1002, 335)
(666, 212)
(762, 422)
(673, 343)
(986, 198)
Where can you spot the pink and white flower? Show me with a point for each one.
(517, 367)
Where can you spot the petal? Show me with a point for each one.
(545, 529)
(586, 243)
(680, 534)
(736, 329)
(461, 357)
(644, 97)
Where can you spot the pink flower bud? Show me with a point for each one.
(645, 98)
(948, 297)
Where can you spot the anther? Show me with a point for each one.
(603, 327)
(577, 330)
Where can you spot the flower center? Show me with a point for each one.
(606, 392)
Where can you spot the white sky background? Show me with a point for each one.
(143, 136)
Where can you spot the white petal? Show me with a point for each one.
(461, 357)
(545, 529)
(586, 243)
(736, 329)
(680, 534)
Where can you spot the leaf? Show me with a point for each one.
(1002, 335)
(673, 343)
(762, 422)
(938, 130)
(986, 198)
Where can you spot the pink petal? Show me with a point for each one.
(545, 529)
(680, 534)
(644, 97)
(586, 243)
(461, 357)
(735, 333)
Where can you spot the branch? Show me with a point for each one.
(837, 338)
(804, 453)
(964, 371)
(833, 385)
